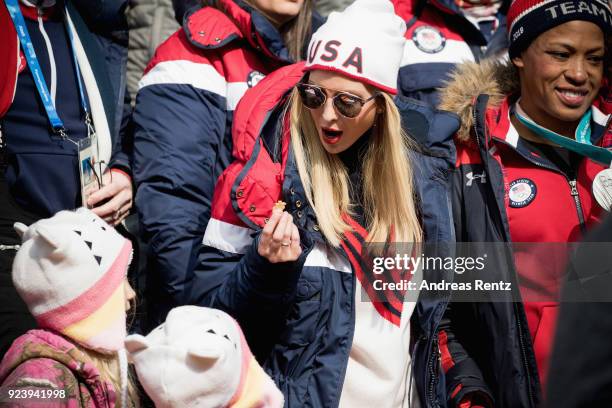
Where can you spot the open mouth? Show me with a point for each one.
(572, 97)
(331, 136)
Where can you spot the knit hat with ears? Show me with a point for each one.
(199, 358)
(70, 272)
(364, 42)
(527, 19)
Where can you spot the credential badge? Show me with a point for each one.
(522, 192)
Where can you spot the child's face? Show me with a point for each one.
(129, 294)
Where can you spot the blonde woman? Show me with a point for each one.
(326, 139)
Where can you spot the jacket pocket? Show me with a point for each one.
(301, 322)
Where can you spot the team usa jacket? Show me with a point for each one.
(439, 36)
(183, 119)
(299, 317)
(506, 190)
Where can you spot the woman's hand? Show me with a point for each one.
(280, 238)
(114, 199)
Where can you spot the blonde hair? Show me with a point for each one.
(388, 192)
(108, 366)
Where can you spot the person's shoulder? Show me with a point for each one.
(208, 28)
(201, 40)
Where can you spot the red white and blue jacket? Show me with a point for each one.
(439, 36)
(502, 348)
(183, 119)
(299, 317)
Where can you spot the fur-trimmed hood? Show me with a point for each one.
(468, 81)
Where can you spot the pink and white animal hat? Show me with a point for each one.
(70, 271)
(199, 358)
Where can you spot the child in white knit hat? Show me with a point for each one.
(71, 273)
(199, 358)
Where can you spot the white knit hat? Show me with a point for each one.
(199, 358)
(364, 42)
(70, 272)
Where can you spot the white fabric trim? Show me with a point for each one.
(198, 75)
(454, 52)
(43, 32)
(98, 114)
(235, 239)
(227, 237)
(512, 136)
(235, 91)
(599, 117)
(324, 256)
(17, 69)
(379, 360)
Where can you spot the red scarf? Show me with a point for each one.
(388, 303)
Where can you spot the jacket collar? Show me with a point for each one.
(498, 121)
(209, 28)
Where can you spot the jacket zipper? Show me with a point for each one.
(524, 353)
(574, 192)
(578, 205)
(573, 184)
(432, 371)
(518, 320)
(572, 181)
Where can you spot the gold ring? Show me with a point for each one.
(285, 244)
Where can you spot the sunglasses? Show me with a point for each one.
(348, 105)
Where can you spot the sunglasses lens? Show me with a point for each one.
(312, 97)
(347, 105)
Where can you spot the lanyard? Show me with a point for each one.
(39, 80)
(582, 145)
